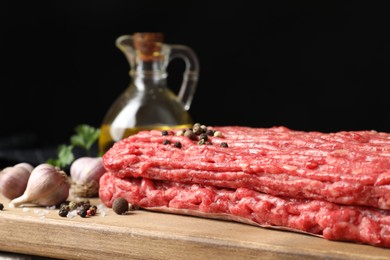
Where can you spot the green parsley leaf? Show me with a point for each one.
(85, 136)
(65, 156)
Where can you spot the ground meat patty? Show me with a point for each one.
(317, 217)
(350, 168)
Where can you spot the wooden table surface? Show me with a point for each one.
(151, 235)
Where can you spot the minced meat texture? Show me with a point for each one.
(349, 168)
(331, 221)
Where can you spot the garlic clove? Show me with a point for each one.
(25, 165)
(13, 180)
(85, 173)
(47, 186)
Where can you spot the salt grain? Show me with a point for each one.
(72, 214)
(40, 213)
(101, 209)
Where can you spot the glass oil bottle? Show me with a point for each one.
(148, 103)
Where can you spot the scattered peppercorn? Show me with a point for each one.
(166, 141)
(217, 134)
(210, 132)
(180, 132)
(72, 205)
(177, 144)
(91, 211)
(82, 213)
(83, 208)
(120, 206)
(63, 212)
(197, 129)
(203, 136)
(190, 134)
(203, 128)
(1, 206)
(84, 205)
(65, 203)
(164, 132)
(224, 144)
(200, 133)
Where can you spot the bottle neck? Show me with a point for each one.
(149, 74)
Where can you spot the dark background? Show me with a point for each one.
(307, 65)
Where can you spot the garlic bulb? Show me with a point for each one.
(25, 165)
(47, 186)
(85, 173)
(13, 180)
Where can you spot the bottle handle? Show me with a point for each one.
(190, 74)
(125, 43)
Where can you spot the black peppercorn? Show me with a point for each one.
(210, 132)
(177, 144)
(1, 206)
(164, 132)
(64, 210)
(188, 133)
(83, 212)
(120, 206)
(224, 144)
(166, 141)
(203, 137)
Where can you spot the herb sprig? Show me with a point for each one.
(85, 137)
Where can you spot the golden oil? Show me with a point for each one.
(106, 140)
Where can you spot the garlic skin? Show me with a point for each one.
(13, 180)
(25, 165)
(47, 186)
(85, 173)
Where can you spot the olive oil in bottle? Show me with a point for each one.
(106, 141)
(148, 103)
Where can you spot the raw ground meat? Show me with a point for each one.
(333, 185)
(329, 220)
(351, 168)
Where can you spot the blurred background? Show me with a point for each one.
(306, 65)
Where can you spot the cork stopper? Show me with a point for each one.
(148, 45)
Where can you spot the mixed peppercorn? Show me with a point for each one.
(83, 208)
(198, 132)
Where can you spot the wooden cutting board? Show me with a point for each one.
(150, 235)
